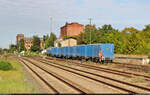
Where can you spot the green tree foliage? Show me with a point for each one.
(65, 37)
(80, 38)
(127, 41)
(147, 28)
(1, 51)
(84, 38)
(12, 48)
(5, 50)
(90, 30)
(5, 66)
(50, 40)
(20, 45)
(59, 44)
(36, 44)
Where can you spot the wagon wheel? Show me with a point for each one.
(97, 61)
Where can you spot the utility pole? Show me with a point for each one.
(90, 29)
(67, 38)
(51, 30)
(11, 42)
(19, 45)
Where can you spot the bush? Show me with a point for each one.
(31, 54)
(6, 57)
(5, 66)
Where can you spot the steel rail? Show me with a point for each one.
(123, 89)
(101, 68)
(50, 86)
(61, 78)
(133, 85)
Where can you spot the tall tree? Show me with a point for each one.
(50, 40)
(128, 41)
(90, 34)
(81, 38)
(106, 28)
(12, 48)
(147, 28)
(36, 44)
(20, 45)
(103, 31)
(1, 51)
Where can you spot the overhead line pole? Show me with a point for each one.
(90, 29)
(51, 18)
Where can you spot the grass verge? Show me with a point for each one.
(13, 81)
(31, 54)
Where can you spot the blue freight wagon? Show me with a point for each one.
(59, 52)
(84, 52)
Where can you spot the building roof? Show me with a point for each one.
(70, 38)
(20, 34)
(71, 24)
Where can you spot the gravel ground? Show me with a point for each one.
(36, 82)
(136, 80)
(93, 86)
(61, 87)
(30, 80)
(88, 83)
(106, 80)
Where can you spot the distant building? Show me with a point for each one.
(66, 42)
(28, 42)
(57, 42)
(19, 37)
(71, 29)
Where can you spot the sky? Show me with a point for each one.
(32, 17)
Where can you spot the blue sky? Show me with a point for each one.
(32, 17)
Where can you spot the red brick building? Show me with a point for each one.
(71, 29)
(28, 42)
(19, 37)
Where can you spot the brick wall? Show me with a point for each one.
(72, 29)
(28, 42)
(19, 37)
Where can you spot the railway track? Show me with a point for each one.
(131, 64)
(121, 73)
(70, 83)
(129, 84)
(50, 86)
(135, 67)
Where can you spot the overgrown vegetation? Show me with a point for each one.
(36, 44)
(127, 41)
(13, 80)
(5, 66)
(31, 54)
(20, 45)
(49, 40)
